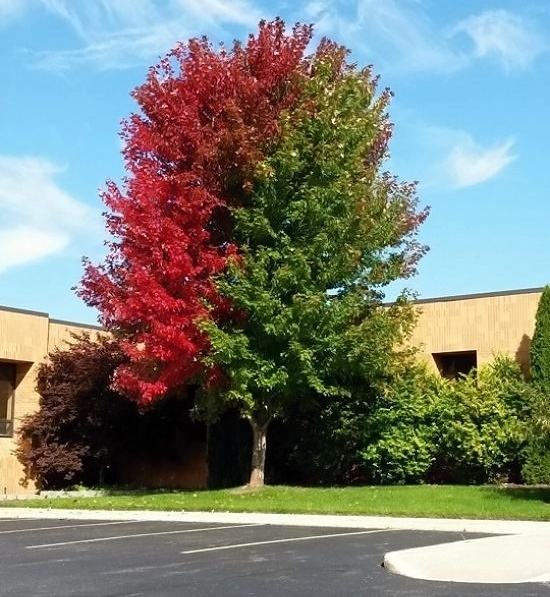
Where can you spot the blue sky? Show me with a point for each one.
(472, 105)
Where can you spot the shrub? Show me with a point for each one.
(482, 421)
(471, 430)
(84, 432)
(400, 435)
(71, 437)
(536, 469)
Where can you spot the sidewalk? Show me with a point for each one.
(509, 559)
(496, 527)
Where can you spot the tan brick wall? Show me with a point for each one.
(26, 338)
(23, 336)
(61, 334)
(490, 325)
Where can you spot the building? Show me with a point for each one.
(458, 333)
(26, 338)
(454, 334)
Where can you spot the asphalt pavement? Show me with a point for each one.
(80, 558)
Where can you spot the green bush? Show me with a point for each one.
(483, 422)
(536, 468)
(417, 428)
(428, 429)
(400, 435)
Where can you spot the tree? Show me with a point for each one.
(321, 231)
(540, 345)
(73, 434)
(256, 230)
(207, 117)
(540, 372)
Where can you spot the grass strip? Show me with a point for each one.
(438, 501)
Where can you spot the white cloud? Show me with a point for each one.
(38, 217)
(503, 35)
(119, 34)
(24, 244)
(446, 159)
(470, 164)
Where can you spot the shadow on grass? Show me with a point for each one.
(146, 491)
(536, 494)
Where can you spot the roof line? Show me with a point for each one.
(75, 324)
(24, 311)
(462, 297)
(437, 299)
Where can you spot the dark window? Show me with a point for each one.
(455, 364)
(7, 387)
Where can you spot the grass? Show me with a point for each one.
(444, 501)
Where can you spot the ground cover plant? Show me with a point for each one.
(256, 231)
(449, 501)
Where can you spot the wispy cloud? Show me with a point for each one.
(38, 218)
(10, 8)
(400, 35)
(118, 34)
(395, 35)
(446, 159)
(469, 163)
(505, 36)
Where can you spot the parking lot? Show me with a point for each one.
(128, 558)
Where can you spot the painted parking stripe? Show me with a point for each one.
(135, 535)
(67, 526)
(288, 540)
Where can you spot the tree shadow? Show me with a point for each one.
(522, 354)
(536, 493)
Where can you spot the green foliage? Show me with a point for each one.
(540, 345)
(536, 468)
(426, 428)
(484, 424)
(400, 435)
(320, 233)
(448, 501)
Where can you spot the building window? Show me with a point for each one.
(454, 364)
(7, 387)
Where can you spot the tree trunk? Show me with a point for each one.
(259, 443)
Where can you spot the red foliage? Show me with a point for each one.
(207, 117)
(80, 421)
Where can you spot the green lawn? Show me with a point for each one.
(424, 500)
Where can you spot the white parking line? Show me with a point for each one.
(68, 526)
(116, 538)
(289, 540)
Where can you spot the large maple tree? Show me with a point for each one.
(207, 116)
(256, 230)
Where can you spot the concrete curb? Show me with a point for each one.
(502, 559)
(496, 527)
